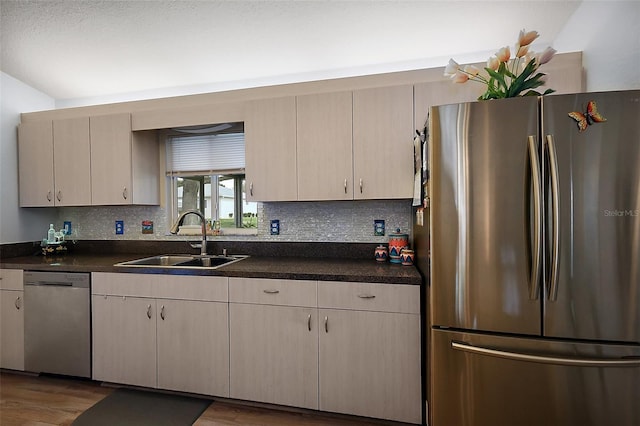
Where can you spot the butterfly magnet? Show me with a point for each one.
(590, 116)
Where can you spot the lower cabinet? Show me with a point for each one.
(124, 340)
(193, 346)
(11, 319)
(369, 362)
(343, 347)
(354, 351)
(144, 335)
(274, 341)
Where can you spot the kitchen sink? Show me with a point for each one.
(183, 261)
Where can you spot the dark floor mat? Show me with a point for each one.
(127, 407)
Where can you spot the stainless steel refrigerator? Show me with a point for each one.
(534, 280)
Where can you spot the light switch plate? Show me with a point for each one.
(119, 227)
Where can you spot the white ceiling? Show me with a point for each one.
(87, 48)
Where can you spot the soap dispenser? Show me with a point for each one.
(51, 234)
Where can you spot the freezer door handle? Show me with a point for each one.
(555, 199)
(575, 362)
(534, 283)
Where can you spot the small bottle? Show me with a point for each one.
(51, 234)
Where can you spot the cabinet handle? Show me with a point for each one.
(271, 291)
(49, 196)
(361, 186)
(124, 193)
(59, 196)
(345, 186)
(162, 312)
(326, 324)
(367, 296)
(19, 303)
(309, 322)
(251, 189)
(149, 311)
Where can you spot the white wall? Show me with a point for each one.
(608, 34)
(16, 224)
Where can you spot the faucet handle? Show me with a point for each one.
(195, 245)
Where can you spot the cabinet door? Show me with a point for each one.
(35, 164)
(12, 329)
(270, 149)
(72, 162)
(370, 364)
(274, 354)
(383, 133)
(124, 340)
(111, 159)
(324, 147)
(193, 346)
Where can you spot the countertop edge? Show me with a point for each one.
(322, 269)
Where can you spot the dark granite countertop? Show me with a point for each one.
(301, 268)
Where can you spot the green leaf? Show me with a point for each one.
(497, 76)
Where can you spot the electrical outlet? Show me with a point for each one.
(119, 227)
(378, 227)
(67, 227)
(275, 227)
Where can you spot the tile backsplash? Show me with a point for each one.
(327, 221)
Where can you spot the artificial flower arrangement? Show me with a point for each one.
(507, 77)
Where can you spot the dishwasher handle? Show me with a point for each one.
(53, 284)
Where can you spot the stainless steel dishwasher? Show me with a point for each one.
(57, 323)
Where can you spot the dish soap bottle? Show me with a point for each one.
(51, 234)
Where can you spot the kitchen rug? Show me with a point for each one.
(127, 407)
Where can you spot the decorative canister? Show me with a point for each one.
(397, 242)
(381, 253)
(406, 257)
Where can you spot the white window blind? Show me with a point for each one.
(206, 154)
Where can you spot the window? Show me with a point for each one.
(205, 168)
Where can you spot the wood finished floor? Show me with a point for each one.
(45, 400)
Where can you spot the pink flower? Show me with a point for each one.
(493, 63)
(503, 54)
(460, 77)
(545, 56)
(471, 70)
(521, 50)
(525, 39)
(451, 69)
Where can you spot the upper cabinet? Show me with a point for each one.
(324, 154)
(35, 164)
(356, 145)
(87, 161)
(383, 133)
(72, 162)
(124, 164)
(54, 163)
(270, 149)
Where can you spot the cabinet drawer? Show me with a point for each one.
(11, 279)
(273, 292)
(106, 283)
(369, 296)
(206, 288)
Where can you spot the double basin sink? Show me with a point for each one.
(183, 261)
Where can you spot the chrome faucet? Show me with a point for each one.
(174, 228)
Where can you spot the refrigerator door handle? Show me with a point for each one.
(536, 256)
(555, 199)
(577, 362)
